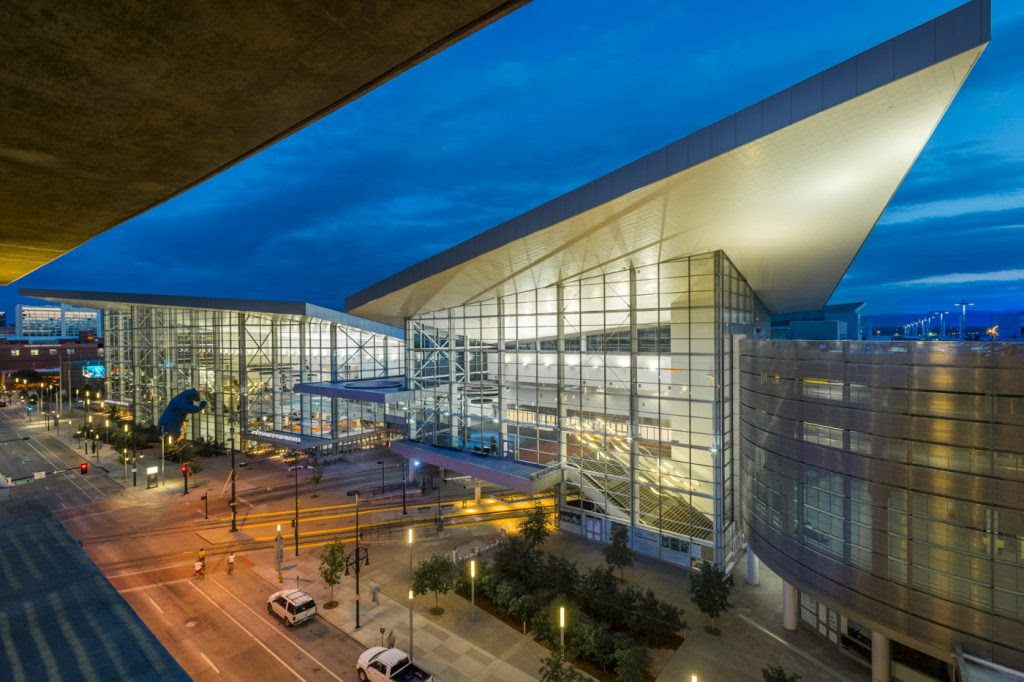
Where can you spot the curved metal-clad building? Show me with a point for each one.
(886, 480)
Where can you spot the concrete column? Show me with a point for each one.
(476, 493)
(880, 658)
(753, 568)
(789, 606)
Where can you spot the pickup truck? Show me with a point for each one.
(380, 664)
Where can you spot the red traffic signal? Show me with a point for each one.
(83, 468)
(184, 469)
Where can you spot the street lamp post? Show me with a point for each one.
(472, 588)
(234, 502)
(409, 532)
(279, 553)
(356, 494)
(297, 508)
(561, 629)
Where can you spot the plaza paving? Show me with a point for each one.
(457, 648)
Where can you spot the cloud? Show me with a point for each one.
(945, 208)
(1015, 275)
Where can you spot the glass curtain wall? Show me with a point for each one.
(623, 379)
(244, 363)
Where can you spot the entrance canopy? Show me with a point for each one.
(289, 439)
(788, 188)
(515, 474)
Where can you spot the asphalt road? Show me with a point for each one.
(219, 628)
(44, 452)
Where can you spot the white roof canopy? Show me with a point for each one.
(788, 188)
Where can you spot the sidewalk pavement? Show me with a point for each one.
(752, 633)
(453, 646)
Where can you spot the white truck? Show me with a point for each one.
(380, 664)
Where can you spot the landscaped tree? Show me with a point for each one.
(435, 574)
(776, 673)
(631, 661)
(651, 621)
(619, 554)
(195, 466)
(555, 669)
(709, 590)
(316, 474)
(332, 563)
(534, 528)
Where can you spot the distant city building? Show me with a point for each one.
(833, 322)
(3, 319)
(56, 322)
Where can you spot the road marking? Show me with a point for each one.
(150, 570)
(254, 637)
(789, 646)
(62, 465)
(139, 588)
(155, 605)
(83, 516)
(215, 669)
(75, 454)
(286, 638)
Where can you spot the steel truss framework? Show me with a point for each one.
(245, 365)
(623, 379)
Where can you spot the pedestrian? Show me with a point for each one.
(198, 566)
(455, 554)
(391, 639)
(201, 556)
(231, 563)
(504, 535)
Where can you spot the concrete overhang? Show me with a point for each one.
(110, 108)
(788, 188)
(514, 474)
(383, 391)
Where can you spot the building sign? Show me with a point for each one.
(94, 371)
(275, 436)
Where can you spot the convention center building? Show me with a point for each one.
(613, 346)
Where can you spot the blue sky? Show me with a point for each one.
(553, 96)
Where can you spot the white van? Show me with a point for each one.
(291, 606)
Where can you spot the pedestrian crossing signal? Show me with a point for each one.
(83, 468)
(184, 469)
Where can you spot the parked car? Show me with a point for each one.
(381, 664)
(291, 606)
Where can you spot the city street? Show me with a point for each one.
(45, 452)
(145, 541)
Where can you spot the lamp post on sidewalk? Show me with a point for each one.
(410, 626)
(234, 501)
(410, 535)
(561, 629)
(472, 588)
(350, 493)
(296, 461)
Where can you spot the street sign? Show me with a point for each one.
(39, 475)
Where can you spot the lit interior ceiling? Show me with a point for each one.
(790, 208)
(107, 109)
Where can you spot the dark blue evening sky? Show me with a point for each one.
(553, 96)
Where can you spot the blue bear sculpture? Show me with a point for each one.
(172, 421)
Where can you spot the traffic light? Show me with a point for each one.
(184, 470)
(184, 477)
(83, 468)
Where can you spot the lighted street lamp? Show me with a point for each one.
(472, 588)
(561, 629)
(410, 625)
